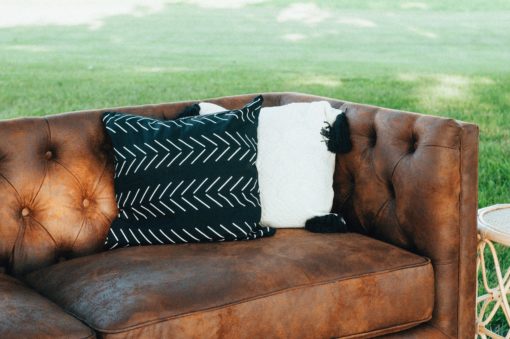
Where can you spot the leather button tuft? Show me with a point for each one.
(86, 203)
(25, 212)
(373, 138)
(48, 155)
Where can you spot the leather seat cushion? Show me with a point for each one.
(26, 314)
(296, 284)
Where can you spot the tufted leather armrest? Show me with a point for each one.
(412, 180)
(26, 314)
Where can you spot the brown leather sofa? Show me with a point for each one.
(408, 190)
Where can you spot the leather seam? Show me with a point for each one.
(384, 330)
(100, 178)
(420, 145)
(441, 146)
(383, 206)
(32, 201)
(461, 144)
(459, 150)
(446, 263)
(110, 220)
(78, 234)
(91, 335)
(49, 129)
(379, 212)
(12, 186)
(442, 332)
(46, 230)
(424, 263)
(45, 164)
(92, 194)
(396, 165)
(71, 173)
(10, 260)
(371, 150)
(54, 160)
(345, 198)
(17, 243)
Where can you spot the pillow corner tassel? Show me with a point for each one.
(329, 223)
(190, 111)
(338, 136)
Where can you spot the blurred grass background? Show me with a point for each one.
(445, 58)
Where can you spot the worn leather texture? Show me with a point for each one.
(295, 284)
(418, 332)
(26, 314)
(410, 180)
(56, 181)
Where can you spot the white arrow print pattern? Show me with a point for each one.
(186, 234)
(213, 148)
(232, 192)
(159, 211)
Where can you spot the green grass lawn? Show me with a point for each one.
(436, 57)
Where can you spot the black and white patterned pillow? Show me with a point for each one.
(192, 179)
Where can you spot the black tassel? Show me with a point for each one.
(338, 135)
(329, 223)
(190, 111)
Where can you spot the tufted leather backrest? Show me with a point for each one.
(410, 180)
(56, 184)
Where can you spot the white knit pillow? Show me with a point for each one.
(294, 166)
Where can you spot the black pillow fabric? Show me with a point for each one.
(191, 179)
